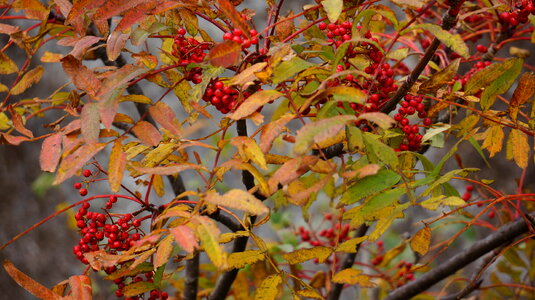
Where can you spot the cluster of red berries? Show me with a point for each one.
(468, 193)
(336, 33)
(330, 236)
(239, 37)
(224, 98)
(520, 13)
(122, 281)
(189, 50)
(378, 259)
(98, 234)
(409, 106)
(78, 185)
(404, 273)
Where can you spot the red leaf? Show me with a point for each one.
(135, 15)
(147, 133)
(78, 9)
(224, 54)
(165, 116)
(82, 45)
(72, 163)
(12, 140)
(119, 78)
(109, 105)
(115, 7)
(90, 122)
(32, 286)
(80, 75)
(234, 16)
(81, 287)
(115, 44)
(50, 152)
(185, 237)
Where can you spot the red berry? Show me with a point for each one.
(86, 173)
(83, 192)
(481, 48)
(322, 26)
(428, 122)
(469, 188)
(77, 185)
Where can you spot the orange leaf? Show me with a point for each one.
(82, 45)
(31, 77)
(169, 169)
(119, 78)
(50, 152)
(147, 133)
(115, 44)
(79, 8)
(11, 139)
(90, 122)
(164, 251)
(185, 237)
(116, 166)
(18, 123)
(421, 240)
(113, 8)
(33, 9)
(81, 287)
(224, 54)
(81, 76)
(290, 171)
(272, 130)
(165, 116)
(254, 102)
(32, 286)
(72, 163)
(135, 15)
(234, 16)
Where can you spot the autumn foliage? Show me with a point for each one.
(281, 161)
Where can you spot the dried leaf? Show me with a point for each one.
(147, 133)
(32, 286)
(82, 45)
(453, 41)
(31, 77)
(381, 119)
(185, 238)
(165, 116)
(421, 240)
(113, 8)
(290, 170)
(116, 166)
(238, 199)
(18, 123)
(33, 9)
(50, 152)
(523, 92)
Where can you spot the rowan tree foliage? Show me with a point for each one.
(277, 161)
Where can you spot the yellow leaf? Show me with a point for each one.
(421, 240)
(269, 288)
(353, 277)
(7, 65)
(309, 293)
(247, 75)
(434, 202)
(116, 166)
(254, 102)
(31, 77)
(518, 148)
(250, 150)
(350, 246)
(238, 199)
(333, 8)
(493, 140)
(238, 260)
(301, 255)
(164, 251)
(391, 254)
(208, 233)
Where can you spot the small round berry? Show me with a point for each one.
(322, 26)
(86, 173)
(428, 121)
(481, 48)
(78, 185)
(83, 192)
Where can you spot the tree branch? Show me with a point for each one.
(505, 235)
(347, 263)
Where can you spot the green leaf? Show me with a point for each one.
(440, 78)
(488, 75)
(289, 68)
(370, 185)
(501, 84)
(377, 151)
(333, 8)
(319, 132)
(453, 41)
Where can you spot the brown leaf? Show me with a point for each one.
(290, 171)
(185, 237)
(234, 16)
(78, 9)
(116, 166)
(81, 287)
(18, 123)
(523, 92)
(50, 152)
(224, 54)
(33, 9)
(90, 122)
(285, 28)
(32, 286)
(113, 8)
(81, 76)
(147, 133)
(31, 77)
(165, 116)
